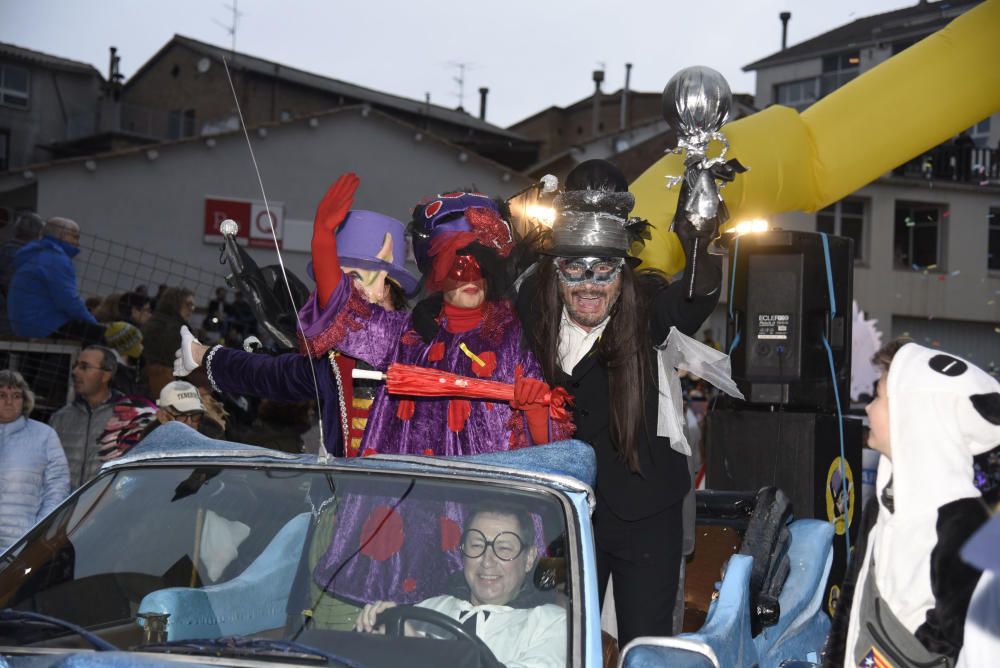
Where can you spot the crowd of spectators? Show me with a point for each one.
(121, 377)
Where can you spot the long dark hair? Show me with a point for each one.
(171, 300)
(624, 349)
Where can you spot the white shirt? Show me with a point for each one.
(518, 637)
(575, 341)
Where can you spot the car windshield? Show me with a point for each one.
(166, 554)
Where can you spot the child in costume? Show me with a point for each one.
(905, 601)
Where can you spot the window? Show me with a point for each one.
(846, 218)
(796, 94)
(993, 252)
(918, 235)
(14, 86)
(837, 70)
(180, 123)
(980, 133)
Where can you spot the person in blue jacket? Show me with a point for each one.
(34, 476)
(43, 297)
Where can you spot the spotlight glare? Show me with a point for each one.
(754, 226)
(541, 215)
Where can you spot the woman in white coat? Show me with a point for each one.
(34, 476)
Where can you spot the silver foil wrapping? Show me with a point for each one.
(696, 101)
(590, 228)
(696, 104)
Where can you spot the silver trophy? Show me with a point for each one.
(696, 104)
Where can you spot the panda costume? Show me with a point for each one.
(905, 600)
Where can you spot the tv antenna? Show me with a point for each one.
(460, 80)
(231, 27)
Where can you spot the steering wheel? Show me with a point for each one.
(395, 618)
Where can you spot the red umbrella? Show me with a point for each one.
(418, 381)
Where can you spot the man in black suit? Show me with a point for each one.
(594, 321)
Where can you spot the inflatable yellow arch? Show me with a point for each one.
(885, 117)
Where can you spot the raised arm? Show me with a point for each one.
(282, 378)
(330, 215)
(672, 308)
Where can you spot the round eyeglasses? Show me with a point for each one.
(507, 546)
(589, 269)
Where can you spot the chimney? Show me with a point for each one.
(598, 78)
(784, 16)
(483, 92)
(623, 121)
(109, 109)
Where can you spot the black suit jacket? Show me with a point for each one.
(664, 478)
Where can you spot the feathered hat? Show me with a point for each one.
(459, 223)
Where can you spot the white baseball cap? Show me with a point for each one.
(181, 396)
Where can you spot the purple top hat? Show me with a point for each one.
(359, 240)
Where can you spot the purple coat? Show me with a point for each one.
(422, 425)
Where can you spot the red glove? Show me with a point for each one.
(330, 214)
(528, 397)
(528, 393)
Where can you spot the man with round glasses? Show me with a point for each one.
(498, 552)
(593, 321)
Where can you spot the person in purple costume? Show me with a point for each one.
(372, 250)
(464, 327)
(383, 548)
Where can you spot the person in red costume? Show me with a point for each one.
(461, 242)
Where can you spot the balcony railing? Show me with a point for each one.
(961, 164)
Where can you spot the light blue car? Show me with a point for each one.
(190, 550)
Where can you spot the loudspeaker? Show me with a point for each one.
(780, 310)
(798, 452)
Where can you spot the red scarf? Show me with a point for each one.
(462, 319)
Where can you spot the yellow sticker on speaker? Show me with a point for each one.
(831, 603)
(836, 503)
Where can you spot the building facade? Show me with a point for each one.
(167, 199)
(625, 127)
(44, 101)
(183, 90)
(927, 234)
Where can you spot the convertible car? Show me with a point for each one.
(191, 550)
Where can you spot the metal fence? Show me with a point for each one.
(104, 268)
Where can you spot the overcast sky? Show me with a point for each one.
(531, 53)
